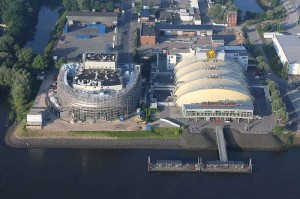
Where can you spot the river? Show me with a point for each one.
(47, 18)
(248, 5)
(85, 174)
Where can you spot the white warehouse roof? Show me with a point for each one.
(290, 45)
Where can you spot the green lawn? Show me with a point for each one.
(155, 133)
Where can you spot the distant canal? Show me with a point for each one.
(47, 18)
(248, 5)
(109, 174)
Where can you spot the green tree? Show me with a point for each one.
(275, 3)
(25, 56)
(39, 63)
(216, 12)
(20, 93)
(281, 114)
(110, 6)
(59, 63)
(138, 7)
(275, 95)
(277, 104)
(259, 59)
(272, 86)
(270, 15)
(262, 66)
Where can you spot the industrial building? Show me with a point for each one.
(88, 92)
(148, 35)
(107, 18)
(209, 85)
(288, 48)
(185, 30)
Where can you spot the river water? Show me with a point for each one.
(47, 18)
(85, 174)
(248, 5)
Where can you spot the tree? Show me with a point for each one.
(281, 114)
(262, 66)
(20, 92)
(59, 63)
(270, 15)
(275, 95)
(272, 86)
(25, 56)
(110, 6)
(216, 12)
(39, 63)
(138, 7)
(277, 104)
(259, 59)
(275, 3)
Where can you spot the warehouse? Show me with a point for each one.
(107, 18)
(288, 48)
(212, 88)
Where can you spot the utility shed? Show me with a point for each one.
(35, 118)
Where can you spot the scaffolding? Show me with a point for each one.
(83, 106)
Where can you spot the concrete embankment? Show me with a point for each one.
(206, 140)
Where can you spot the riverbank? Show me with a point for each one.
(206, 140)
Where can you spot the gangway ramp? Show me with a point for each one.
(221, 144)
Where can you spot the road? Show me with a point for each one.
(126, 33)
(283, 85)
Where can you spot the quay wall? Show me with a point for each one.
(188, 141)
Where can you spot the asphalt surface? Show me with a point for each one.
(127, 27)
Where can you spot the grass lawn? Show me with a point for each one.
(155, 133)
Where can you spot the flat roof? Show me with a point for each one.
(107, 78)
(92, 14)
(146, 13)
(36, 111)
(183, 27)
(290, 45)
(148, 2)
(148, 30)
(103, 57)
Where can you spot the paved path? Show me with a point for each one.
(221, 144)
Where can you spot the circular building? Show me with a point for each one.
(212, 88)
(97, 93)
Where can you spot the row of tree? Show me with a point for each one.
(88, 5)
(18, 63)
(278, 107)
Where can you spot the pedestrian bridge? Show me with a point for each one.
(221, 144)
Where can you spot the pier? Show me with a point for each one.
(220, 166)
